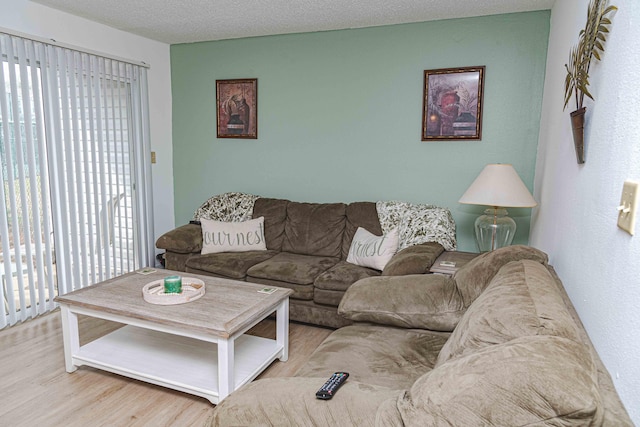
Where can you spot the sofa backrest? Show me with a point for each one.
(274, 212)
(314, 229)
(521, 300)
(529, 381)
(327, 229)
(320, 229)
(473, 277)
(359, 214)
(515, 358)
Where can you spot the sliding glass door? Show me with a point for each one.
(28, 277)
(76, 179)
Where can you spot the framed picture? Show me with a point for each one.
(237, 108)
(452, 104)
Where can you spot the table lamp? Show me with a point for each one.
(498, 186)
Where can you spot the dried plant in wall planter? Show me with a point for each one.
(590, 45)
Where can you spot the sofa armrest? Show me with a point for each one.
(292, 402)
(416, 259)
(184, 239)
(424, 301)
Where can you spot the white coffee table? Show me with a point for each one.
(199, 347)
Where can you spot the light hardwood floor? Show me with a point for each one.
(35, 389)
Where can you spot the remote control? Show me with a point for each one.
(332, 385)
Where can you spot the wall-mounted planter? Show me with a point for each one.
(577, 126)
(590, 45)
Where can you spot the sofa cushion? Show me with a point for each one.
(369, 250)
(342, 275)
(376, 355)
(537, 380)
(293, 268)
(300, 292)
(308, 311)
(329, 287)
(359, 214)
(274, 212)
(233, 265)
(521, 300)
(428, 301)
(295, 404)
(416, 259)
(327, 297)
(314, 229)
(242, 236)
(473, 277)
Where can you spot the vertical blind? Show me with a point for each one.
(76, 193)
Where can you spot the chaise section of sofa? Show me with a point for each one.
(510, 351)
(307, 247)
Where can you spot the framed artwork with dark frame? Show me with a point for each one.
(237, 108)
(452, 104)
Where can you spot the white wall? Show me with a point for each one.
(41, 21)
(576, 219)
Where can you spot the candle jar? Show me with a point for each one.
(173, 285)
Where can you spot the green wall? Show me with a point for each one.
(339, 114)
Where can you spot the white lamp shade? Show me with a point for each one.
(499, 185)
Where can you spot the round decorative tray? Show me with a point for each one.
(192, 289)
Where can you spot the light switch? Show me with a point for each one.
(627, 207)
(153, 157)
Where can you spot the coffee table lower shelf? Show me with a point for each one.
(176, 362)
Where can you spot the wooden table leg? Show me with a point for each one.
(70, 337)
(226, 366)
(282, 328)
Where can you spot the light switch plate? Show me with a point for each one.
(627, 207)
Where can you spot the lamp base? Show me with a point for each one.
(494, 229)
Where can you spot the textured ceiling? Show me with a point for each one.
(186, 21)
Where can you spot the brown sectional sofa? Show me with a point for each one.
(307, 246)
(499, 344)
